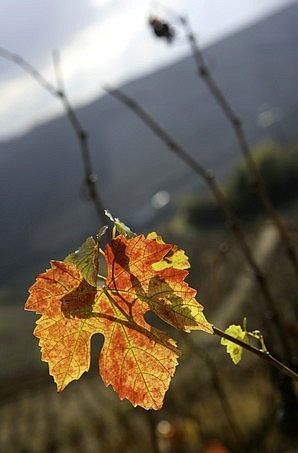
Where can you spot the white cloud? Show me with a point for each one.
(24, 106)
(100, 3)
(113, 45)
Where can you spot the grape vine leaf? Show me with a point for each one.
(87, 257)
(174, 258)
(120, 227)
(234, 350)
(136, 359)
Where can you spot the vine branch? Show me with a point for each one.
(238, 129)
(219, 388)
(233, 223)
(81, 134)
(265, 355)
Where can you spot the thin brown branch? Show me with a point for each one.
(225, 402)
(265, 355)
(233, 223)
(82, 136)
(58, 70)
(238, 129)
(228, 409)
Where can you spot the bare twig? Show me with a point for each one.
(225, 402)
(151, 423)
(265, 355)
(58, 70)
(233, 223)
(219, 388)
(59, 92)
(238, 129)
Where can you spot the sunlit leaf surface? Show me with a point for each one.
(136, 359)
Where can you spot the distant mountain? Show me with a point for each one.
(42, 209)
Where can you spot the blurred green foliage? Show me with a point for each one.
(278, 168)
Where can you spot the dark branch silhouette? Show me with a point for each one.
(82, 136)
(232, 222)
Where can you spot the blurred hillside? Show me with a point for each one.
(43, 214)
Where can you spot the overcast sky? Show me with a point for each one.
(100, 41)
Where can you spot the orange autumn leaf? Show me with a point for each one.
(174, 258)
(136, 359)
(65, 302)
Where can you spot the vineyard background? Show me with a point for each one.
(212, 406)
(89, 417)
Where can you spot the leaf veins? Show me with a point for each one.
(136, 359)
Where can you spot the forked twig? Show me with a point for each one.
(233, 223)
(238, 129)
(59, 92)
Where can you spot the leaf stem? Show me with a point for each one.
(265, 355)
